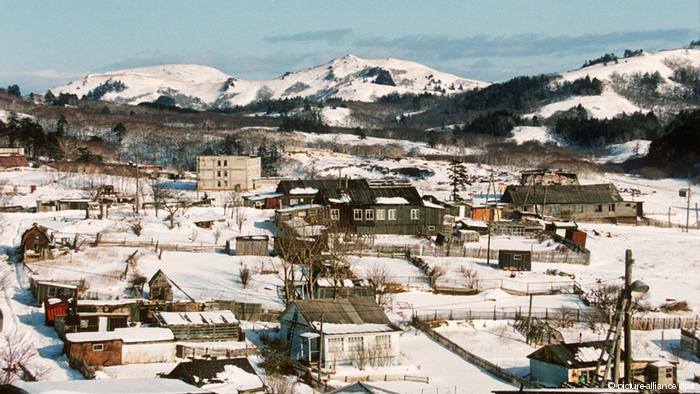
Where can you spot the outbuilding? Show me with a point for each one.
(159, 287)
(252, 245)
(514, 260)
(202, 326)
(37, 243)
(134, 345)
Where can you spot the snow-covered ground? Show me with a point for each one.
(522, 134)
(607, 105)
(617, 153)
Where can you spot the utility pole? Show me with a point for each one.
(529, 320)
(320, 355)
(137, 182)
(628, 316)
(687, 207)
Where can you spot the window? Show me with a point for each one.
(357, 214)
(98, 347)
(335, 345)
(611, 207)
(335, 214)
(381, 214)
(431, 228)
(225, 163)
(218, 173)
(218, 183)
(414, 214)
(578, 208)
(225, 173)
(669, 373)
(84, 324)
(293, 201)
(369, 214)
(52, 291)
(382, 341)
(391, 214)
(218, 163)
(599, 208)
(355, 344)
(517, 257)
(226, 183)
(554, 209)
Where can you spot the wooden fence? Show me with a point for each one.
(472, 358)
(581, 315)
(380, 378)
(554, 256)
(456, 286)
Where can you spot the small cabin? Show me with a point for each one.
(576, 236)
(44, 290)
(661, 372)
(37, 242)
(555, 364)
(90, 322)
(345, 288)
(202, 326)
(462, 236)
(252, 245)
(263, 201)
(134, 345)
(159, 287)
(514, 260)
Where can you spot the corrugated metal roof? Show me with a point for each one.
(353, 310)
(561, 194)
(569, 354)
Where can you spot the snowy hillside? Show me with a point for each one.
(349, 77)
(662, 61)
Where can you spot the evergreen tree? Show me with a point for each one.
(360, 133)
(50, 98)
(61, 126)
(118, 132)
(14, 90)
(432, 138)
(458, 177)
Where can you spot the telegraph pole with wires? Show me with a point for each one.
(489, 217)
(320, 354)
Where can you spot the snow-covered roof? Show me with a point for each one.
(391, 201)
(127, 335)
(262, 196)
(235, 379)
(343, 199)
(56, 284)
(109, 386)
(336, 328)
(197, 318)
(431, 204)
(299, 208)
(303, 190)
(587, 354)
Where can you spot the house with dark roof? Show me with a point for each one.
(234, 375)
(571, 202)
(360, 206)
(354, 331)
(560, 363)
(37, 243)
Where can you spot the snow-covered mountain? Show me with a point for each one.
(199, 87)
(610, 103)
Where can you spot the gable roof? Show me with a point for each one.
(331, 185)
(126, 335)
(111, 386)
(156, 275)
(200, 372)
(45, 231)
(197, 318)
(353, 310)
(561, 194)
(571, 355)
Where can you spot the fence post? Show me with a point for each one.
(546, 313)
(494, 312)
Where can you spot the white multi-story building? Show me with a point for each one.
(222, 173)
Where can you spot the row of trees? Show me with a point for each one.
(26, 133)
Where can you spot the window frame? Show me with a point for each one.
(355, 216)
(415, 214)
(392, 214)
(380, 215)
(335, 214)
(369, 214)
(98, 347)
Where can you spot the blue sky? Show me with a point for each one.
(45, 43)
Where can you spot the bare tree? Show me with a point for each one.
(470, 275)
(378, 276)
(5, 194)
(175, 206)
(234, 200)
(244, 275)
(159, 194)
(279, 384)
(19, 359)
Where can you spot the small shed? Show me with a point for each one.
(37, 243)
(234, 373)
(53, 308)
(263, 201)
(576, 236)
(159, 287)
(202, 326)
(461, 236)
(514, 260)
(661, 372)
(90, 322)
(44, 290)
(252, 245)
(134, 345)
